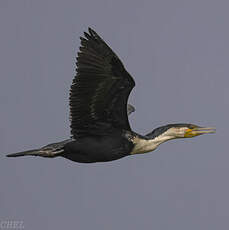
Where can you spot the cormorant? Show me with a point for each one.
(99, 112)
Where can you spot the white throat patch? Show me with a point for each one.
(144, 145)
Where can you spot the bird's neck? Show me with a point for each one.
(149, 143)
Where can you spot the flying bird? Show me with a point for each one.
(99, 111)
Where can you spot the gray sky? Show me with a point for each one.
(178, 53)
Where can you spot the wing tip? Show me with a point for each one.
(91, 31)
(90, 34)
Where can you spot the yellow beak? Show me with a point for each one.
(198, 131)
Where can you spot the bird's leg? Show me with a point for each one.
(130, 109)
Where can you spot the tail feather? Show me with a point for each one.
(33, 152)
(51, 150)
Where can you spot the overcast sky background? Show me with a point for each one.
(178, 53)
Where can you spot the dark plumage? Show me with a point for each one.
(99, 114)
(100, 90)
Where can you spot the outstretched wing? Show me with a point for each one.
(100, 90)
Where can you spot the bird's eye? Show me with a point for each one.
(192, 126)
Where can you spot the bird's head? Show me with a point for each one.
(167, 132)
(173, 131)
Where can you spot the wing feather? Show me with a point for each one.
(100, 90)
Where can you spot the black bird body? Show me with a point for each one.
(99, 111)
(102, 148)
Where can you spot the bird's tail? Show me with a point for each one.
(33, 152)
(51, 150)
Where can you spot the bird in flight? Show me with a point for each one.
(99, 112)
